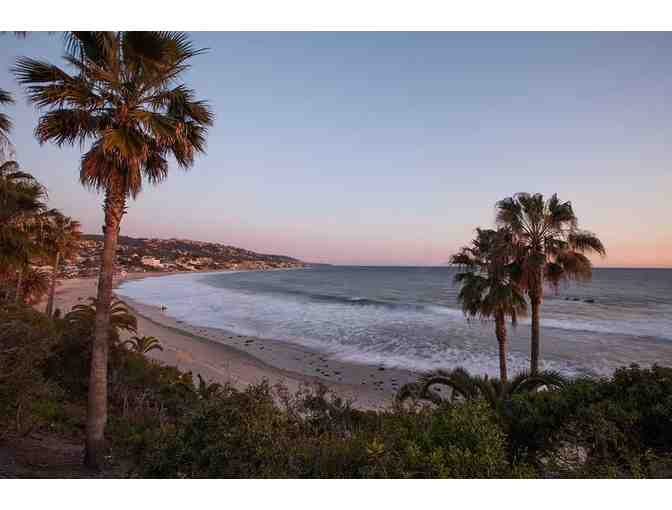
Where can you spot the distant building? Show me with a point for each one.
(151, 262)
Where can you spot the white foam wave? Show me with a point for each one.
(417, 339)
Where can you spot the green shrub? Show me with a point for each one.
(26, 340)
(616, 422)
(168, 426)
(245, 434)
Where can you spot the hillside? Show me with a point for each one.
(166, 255)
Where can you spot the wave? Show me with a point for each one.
(415, 336)
(186, 285)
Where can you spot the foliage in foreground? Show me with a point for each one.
(165, 424)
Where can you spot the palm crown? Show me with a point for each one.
(486, 283)
(551, 246)
(21, 201)
(121, 318)
(123, 98)
(464, 386)
(62, 234)
(143, 344)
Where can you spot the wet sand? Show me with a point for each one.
(221, 356)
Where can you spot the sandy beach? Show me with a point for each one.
(221, 356)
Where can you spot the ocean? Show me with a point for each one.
(408, 317)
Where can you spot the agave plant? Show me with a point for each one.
(143, 344)
(121, 318)
(464, 386)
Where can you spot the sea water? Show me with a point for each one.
(409, 317)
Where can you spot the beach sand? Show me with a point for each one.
(221, 356)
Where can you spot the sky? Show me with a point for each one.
(391, 148)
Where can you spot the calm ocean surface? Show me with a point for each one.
(408, 317)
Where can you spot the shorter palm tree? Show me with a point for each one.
(463, 386)
(21, 203)
(487, 287)
(61, 239)
(143, 344)
(121, 319)
(34, 285)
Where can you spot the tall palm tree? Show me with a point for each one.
(551, 248)
(487, 288)
(121, 96)
(62, 235)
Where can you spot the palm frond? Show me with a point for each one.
(586, 242)
(575, 265)
(6, 97)
(68, 126)
(5, 121)
(143, 344)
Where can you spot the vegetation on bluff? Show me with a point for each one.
(165, 424)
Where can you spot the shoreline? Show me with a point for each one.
(225, 357)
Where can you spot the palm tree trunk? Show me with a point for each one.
(535, 302)
(52, 287)
(97, 404)
(500, 331)
(19, 284)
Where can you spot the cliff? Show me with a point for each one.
(166, 255)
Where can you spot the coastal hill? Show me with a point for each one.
(167, 255)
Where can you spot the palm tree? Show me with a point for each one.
(21, 203)
(123, 97)
(464, 386)
(84, 317)
(551, 248)
(143, 344)
(34, 285)
(62, 241)
(487, 288)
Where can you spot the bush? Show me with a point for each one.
(26, 340)
(620, 425)
(168, 426)
(245, 434)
